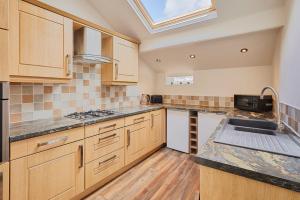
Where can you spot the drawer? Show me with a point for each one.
(156, 112)
(101, 168)
(137, 118)
(103, 144)
(42, 143)
(103, 127)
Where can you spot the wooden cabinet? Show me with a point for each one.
(219, 185)
(41, 43)
(124, 69)
(4, 69)
(4, 14)
(4, 176)
(155, 138)
(136, 144)
(56, 173)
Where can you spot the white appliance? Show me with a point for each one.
(207, 124)
(178, 130)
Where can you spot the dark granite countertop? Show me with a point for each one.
(26, 130)
(278, 170)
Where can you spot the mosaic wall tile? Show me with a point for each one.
(206, 101)
(291, 116)
(32, 101)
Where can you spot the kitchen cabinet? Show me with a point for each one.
(156, 133)
(219, 185)
(41, 44)
(4, 14)
(57, 173)
(4, 69)
(136, 144)
(124, 69)
(4, 177)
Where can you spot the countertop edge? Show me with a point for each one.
(279, 182)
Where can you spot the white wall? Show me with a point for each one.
(221, 82)
(80, 8)
(147, 78)
(289, 57)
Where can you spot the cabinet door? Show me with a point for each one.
(53, 174)
(4, 179)
(4, 55)
(136, 142)
(155, 137)
(126, 61)
(45, 42)
(4, 14)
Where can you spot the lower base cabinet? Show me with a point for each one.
(136, 141)
(103, 167)
(54, 174)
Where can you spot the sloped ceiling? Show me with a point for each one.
(218, 53)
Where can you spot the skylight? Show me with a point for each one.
(160, 15)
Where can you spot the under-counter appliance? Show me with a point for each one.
(156, 99)
(253, 103)
(4, 139)
(178, 130)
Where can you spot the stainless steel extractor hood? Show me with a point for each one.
(87, 47)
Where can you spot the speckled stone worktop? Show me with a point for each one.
(26, 130)
(278, 170)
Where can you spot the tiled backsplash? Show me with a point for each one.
(291, 116)
(207, 101)
(31, 101)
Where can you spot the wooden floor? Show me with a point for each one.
(166, 175)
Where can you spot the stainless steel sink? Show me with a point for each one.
(259, 135)
(260, 124)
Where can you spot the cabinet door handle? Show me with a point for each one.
(139, 119)
(116, 71)
(81, 156)
(152, 120)
(107, 160)
(53, 142)
(69, 65)
(107, 137)
(128, 137)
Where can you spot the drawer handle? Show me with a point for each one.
(138, 119)
(128, 137)
(53, 142)
(110, 126)
(107, 160)
(107, 137)
(81, 156)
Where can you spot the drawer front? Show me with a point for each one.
(103, 167)
(42, 143)
(103, 144)
(156, 112)
(137, 118)
(103, 127)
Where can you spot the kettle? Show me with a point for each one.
(145, 99)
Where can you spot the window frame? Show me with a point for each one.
(174, 20)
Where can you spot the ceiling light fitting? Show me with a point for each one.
(244, 50)
(192, 56)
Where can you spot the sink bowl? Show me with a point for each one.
(259, 124)
(258, 135)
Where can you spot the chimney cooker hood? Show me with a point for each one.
(87, 47)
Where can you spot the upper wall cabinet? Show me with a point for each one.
(4, 14)
(124, 69)
(41, 44)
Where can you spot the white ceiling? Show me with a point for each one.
(123, 19)
(219, 53)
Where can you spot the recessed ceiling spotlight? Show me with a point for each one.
(158, 60)
(244, 50)
(192, 56)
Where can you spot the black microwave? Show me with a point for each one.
(253, 103)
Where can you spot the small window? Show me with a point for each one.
(179, 80)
